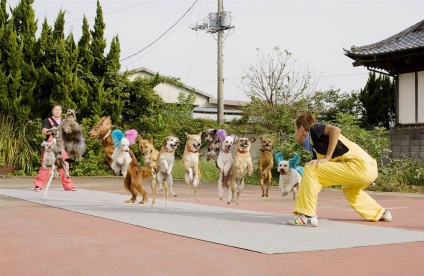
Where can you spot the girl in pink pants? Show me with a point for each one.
(43, 174)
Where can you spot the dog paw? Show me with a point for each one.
(285, 193)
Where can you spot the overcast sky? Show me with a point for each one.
(315, 32)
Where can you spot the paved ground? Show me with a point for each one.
(40, 240)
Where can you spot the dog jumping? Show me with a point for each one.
(289, 174)
(58, 149)
(165, 163)
(133, 181)
(224, 163)
(242, 166)
(190, 161)
(265, 163)
(72, 136)
(212, 144)
(121, 153)
(150, 157)
(49, 158)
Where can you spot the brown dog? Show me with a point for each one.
(191, 162)
(265, 163)
(149, 153)
(165, 163)
(242, 166)
(132, 181)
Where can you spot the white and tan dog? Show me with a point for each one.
(289, 177)
(49, 158)
(121, 157)
(190, 161)
(165, 163)
(242, 166)
(224, 163)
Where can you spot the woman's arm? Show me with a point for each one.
(333, 133)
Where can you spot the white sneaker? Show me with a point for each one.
(302, 220)
(386, 216)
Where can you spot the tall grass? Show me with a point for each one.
(16, 145)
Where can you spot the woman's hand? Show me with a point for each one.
(318, 161)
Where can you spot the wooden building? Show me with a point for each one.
(402, 57)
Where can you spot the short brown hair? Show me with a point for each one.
(305, 120)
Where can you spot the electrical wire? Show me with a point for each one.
(115, 11)
(162, 34)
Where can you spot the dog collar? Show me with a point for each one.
(242, 151)
(261, 150)
(189, 150)
(107, 134)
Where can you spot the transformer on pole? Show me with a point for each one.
(218, 23)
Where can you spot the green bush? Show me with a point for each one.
(19, 144)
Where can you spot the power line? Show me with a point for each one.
(115, 11)
(163, 33)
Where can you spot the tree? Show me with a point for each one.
(277, 80)
(327, 104)
(378, 101)
(4, 16)
(278, 89)
(98, 43)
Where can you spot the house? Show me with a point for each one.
(205, 105)
(402, 57)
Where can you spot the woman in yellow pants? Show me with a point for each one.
(335, 161)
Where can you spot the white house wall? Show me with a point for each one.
(407, 98)
(169, 94)
(227, 117)
(421, 97)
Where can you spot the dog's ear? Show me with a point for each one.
(200, 134)
(139, 137)
(187, 135)
(272, 138)
(252, 139)
(261, 137)
(150, 140)
(165, 141)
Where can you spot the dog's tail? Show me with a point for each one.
(145, 172)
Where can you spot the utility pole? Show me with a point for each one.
(218, 23)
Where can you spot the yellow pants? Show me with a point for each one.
(354, 171)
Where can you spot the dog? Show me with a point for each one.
(58, 149)
(212, 144)
(224, 163)
(190, 161)
(121, 153)
(49, 156)
(150, 156)
(133, 181)
(265, 163)
(289, 175)
(72, 136)
(165, 163)
(242, 166)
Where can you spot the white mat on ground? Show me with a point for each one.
(256, 231)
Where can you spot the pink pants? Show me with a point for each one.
(44, 175)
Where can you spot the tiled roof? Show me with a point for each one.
(409, 39)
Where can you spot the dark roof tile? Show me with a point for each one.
(409, 39)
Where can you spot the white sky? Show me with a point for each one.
(314, 31)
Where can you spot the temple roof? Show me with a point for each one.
(399, 53)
